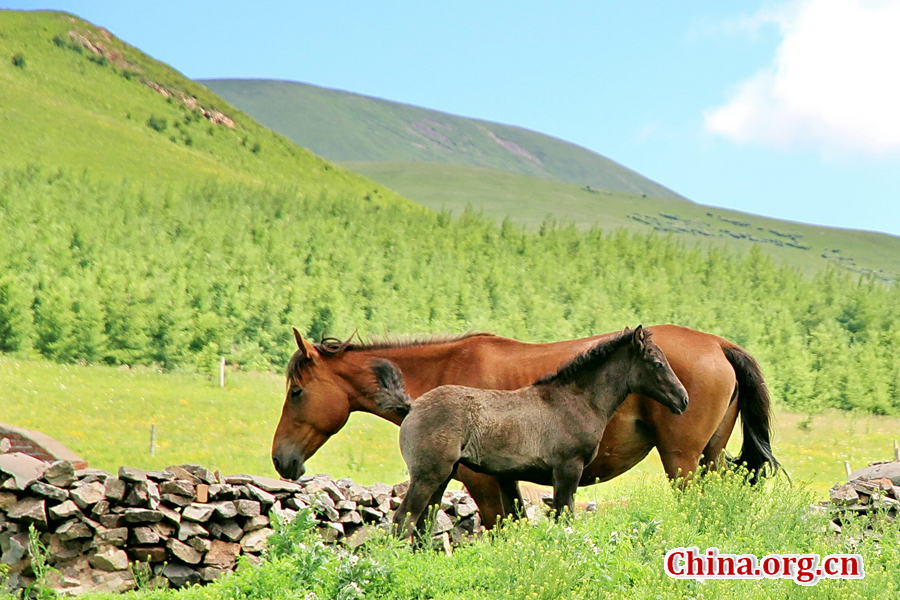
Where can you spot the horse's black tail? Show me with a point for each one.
(755, 411)
(391, 395)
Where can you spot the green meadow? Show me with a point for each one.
(342, 126)
(104, 413)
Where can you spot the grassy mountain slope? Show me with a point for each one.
(342, 126)
(74, 98)
(445, 161)
(498, 194)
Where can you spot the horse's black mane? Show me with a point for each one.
(330, 346)
(592, 359)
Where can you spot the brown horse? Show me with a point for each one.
(329, 380)
(545, 433)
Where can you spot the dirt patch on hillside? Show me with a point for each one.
(513, 147)
(100, 51)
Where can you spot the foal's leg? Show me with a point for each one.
(565, 481)
(414, 505)
(436, 498)
(427, 482)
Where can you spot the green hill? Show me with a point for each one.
(342, 126)
(75, 98)
(446, 161)
(529, 200)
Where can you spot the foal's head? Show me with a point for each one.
(652, 376)
(641, 368)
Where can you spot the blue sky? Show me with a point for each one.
(788, 108)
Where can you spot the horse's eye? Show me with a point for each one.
(296, 393)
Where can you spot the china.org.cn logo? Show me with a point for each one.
(803, 569)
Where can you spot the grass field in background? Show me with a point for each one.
(104, 414)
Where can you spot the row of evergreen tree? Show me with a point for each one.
(121, 274)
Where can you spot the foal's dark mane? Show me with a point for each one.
(330, 346)
(592, 359)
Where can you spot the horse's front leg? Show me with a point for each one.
(566, 476)
(513, 506)
(486, 492)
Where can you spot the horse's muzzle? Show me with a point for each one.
(291, 468)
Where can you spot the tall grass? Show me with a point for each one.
(614, 553)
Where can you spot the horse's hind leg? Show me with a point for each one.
(713, 456)
(680, 463)
(681, 454)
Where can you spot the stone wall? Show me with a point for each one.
(186, 524)
(871, 490)
(36, 444)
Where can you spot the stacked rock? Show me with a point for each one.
(186, 524)
(872, 489)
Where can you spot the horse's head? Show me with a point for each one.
(316, 406)
(653, 376)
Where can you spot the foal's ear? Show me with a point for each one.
(307, 349)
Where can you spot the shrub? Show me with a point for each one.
(157, 123)
(18, 61)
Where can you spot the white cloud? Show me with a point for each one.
(834, 84)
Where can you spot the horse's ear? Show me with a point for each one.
(305, 347)
(637, 336)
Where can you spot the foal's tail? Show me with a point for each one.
(756, 418)
(391, 395)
